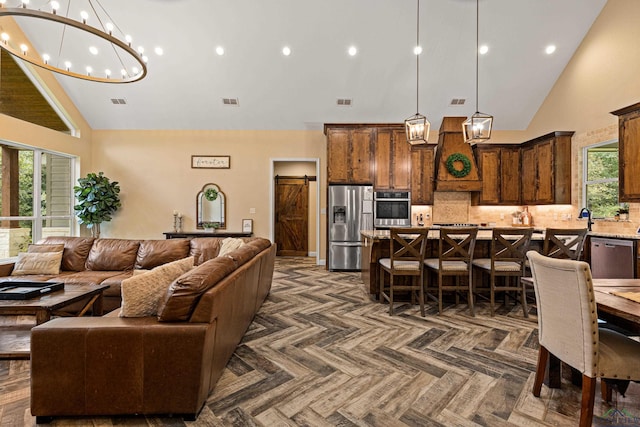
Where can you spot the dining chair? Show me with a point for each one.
(568, 329)
(455, 254)
(561, 243)
(508, 249)
(404, 267)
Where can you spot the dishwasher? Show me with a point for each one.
(612, 258)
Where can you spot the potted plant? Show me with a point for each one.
(97, 199)
(210, 226)
(623, 212)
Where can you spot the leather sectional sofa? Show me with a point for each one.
(169, 364)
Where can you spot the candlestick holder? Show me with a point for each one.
(179, 224)
(175, 222)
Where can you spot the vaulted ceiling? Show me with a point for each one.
(186, 86)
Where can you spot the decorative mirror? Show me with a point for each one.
(211, 209)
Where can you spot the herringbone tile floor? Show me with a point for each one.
(321, 353)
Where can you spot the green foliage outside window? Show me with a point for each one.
(602, 180)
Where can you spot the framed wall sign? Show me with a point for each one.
(247, 226)
(210, 162)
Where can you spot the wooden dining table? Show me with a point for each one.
(618, 310)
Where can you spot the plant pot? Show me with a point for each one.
(624, 216)
(210, 230)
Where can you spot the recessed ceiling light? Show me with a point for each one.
(483, 49)
(220, 50)
(159, 51)
(93, 50)
(417, 50)
(550, 49)
(352, 51)
(286, 51)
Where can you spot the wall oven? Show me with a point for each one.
(392, 209)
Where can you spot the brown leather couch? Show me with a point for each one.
(86, 260)
(109, 365)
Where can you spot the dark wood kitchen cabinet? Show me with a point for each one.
(629, 153)
(546, 169)
(499, 167)
(350, 155)
(422, 174)
(392, 160)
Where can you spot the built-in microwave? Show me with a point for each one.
(391, 209)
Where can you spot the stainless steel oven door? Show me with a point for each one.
(392, 213)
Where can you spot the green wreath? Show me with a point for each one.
(466, 165)
(211, 194)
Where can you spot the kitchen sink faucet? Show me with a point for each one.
(588, 212)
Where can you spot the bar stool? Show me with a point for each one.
(508, 250)
(407, 249)
(455, 255)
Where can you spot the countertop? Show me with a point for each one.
(484, 233)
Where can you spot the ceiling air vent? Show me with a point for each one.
(457, 101)
(344, 102)
(231, 101)
(118, 101)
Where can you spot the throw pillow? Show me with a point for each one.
(141, 293)
(230, 244)
(37, 263)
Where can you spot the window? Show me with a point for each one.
(600, 190)
(37, 197)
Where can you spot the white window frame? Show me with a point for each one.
(37, 218)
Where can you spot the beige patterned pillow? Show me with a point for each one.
(141, 293)
(230, 244)
(37, 263)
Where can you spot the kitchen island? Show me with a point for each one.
(376, 245)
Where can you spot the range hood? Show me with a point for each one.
(453, 150)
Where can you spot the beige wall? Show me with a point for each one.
(156, 178)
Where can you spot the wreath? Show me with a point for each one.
(211, 194)
(466, 165)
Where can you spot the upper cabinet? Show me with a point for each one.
(422, 174)
(393, 160)
(499, 167)
(629, 152)
(546, 169)
(349, 155)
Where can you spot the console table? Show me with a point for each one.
(191, 234)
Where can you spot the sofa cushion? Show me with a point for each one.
(76, 250)
(183, 294)
(153, 253)
(112, 255)
(36, 248)
(141, 293)
(204, 248)
(243, 254)
(37, 263)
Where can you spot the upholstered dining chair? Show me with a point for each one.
(508, 252)
(407, 251)
(561, 243)
(455, 254)
(568, 329)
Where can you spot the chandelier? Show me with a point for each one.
(48, 36)
(477, 128)
(417, 126)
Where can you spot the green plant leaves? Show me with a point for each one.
(97, 199)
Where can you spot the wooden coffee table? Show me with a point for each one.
(15, 338)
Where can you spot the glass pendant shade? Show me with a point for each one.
(417, 129)
(477, 128)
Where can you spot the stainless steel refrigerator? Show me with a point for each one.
(350, 210)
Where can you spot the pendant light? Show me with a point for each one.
(477, 128)
(417, 126)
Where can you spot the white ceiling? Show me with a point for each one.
(184, 87)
